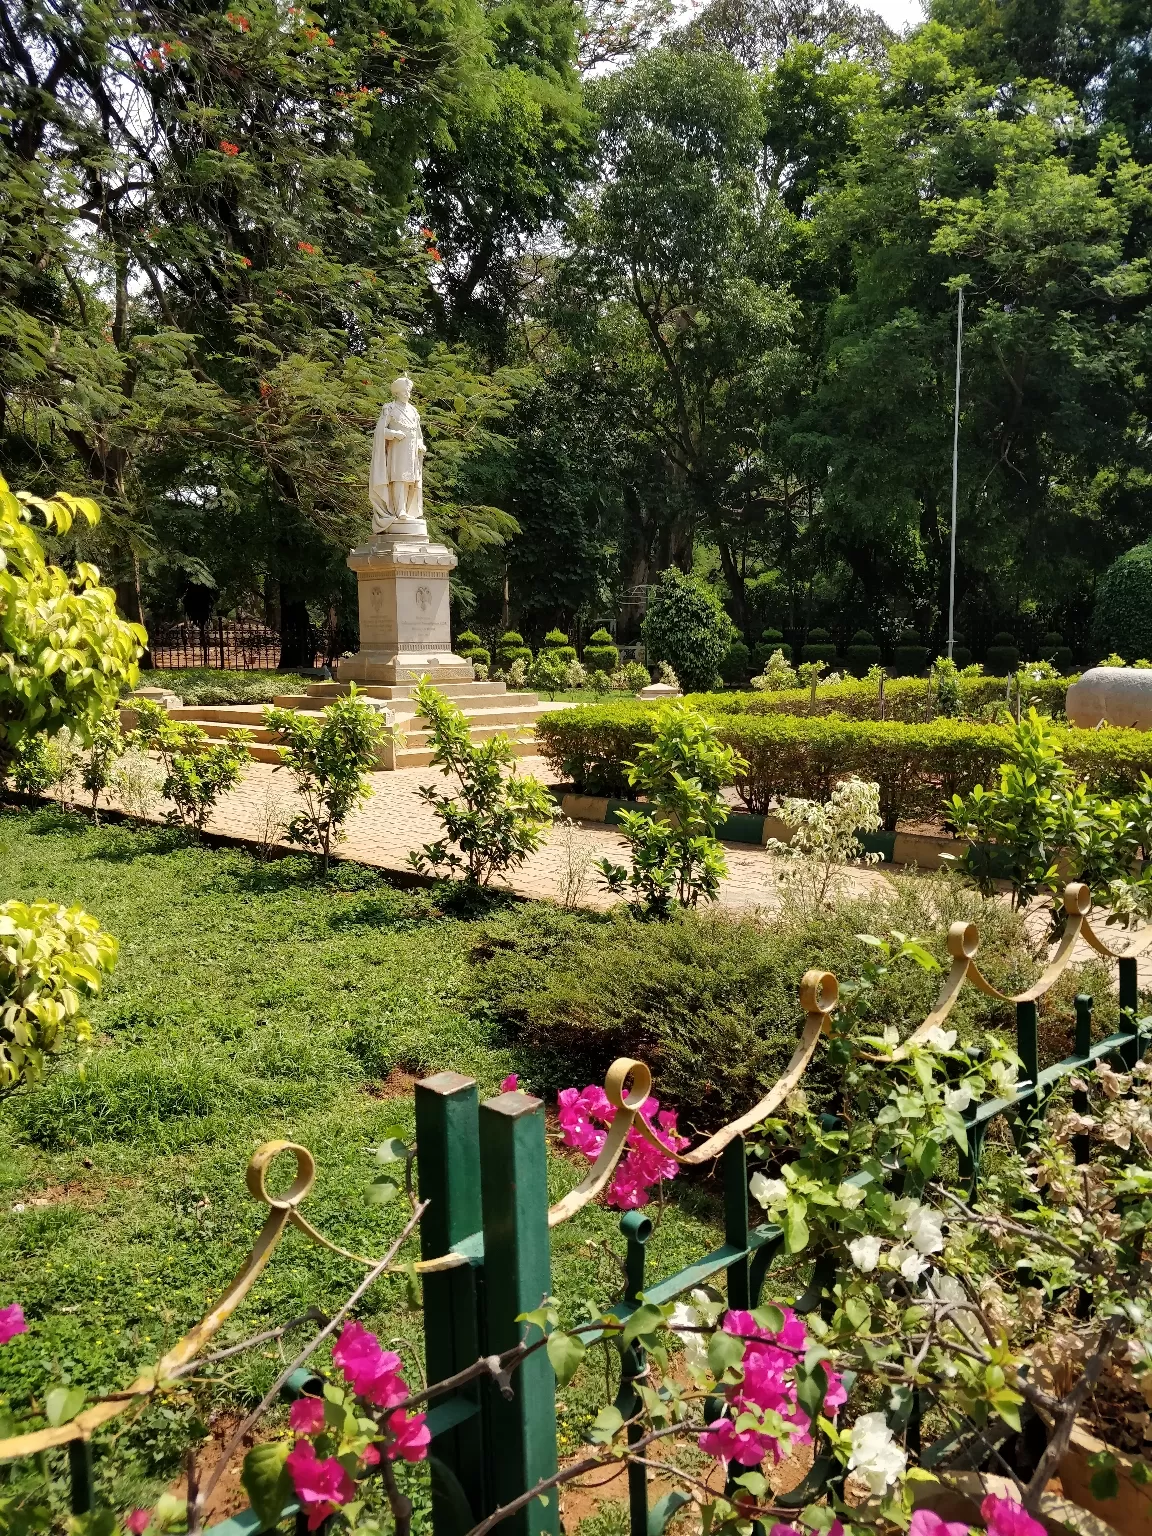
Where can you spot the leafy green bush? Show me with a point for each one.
(196, 771)
(556, 642)
(676, 852)
(471, 648)
(862, 653)
(819, 647)
(918, 767)
(601, 654)
(498, 818)
(1122, 615)
(1003, 655)
(549, 672)
(910, 654)
(710, 1001)
(771, 640)
(736, 666)
(510, 648)
(686, 626)
(207, 685)
(52, 961)
(329, 758)
(67, 653)
(1053, 649)
(631, 677)
(905, 698)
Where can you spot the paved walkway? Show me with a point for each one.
(395, 821)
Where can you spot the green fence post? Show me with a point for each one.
(517, 1277)
(1129, 1006)
(448, 1147)
(81, 1499)
(637, 1228)
(1028, 1046)
(736, 1220)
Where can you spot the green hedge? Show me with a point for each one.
(905, 698)
(918, 767)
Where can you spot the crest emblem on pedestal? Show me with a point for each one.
(423, 598)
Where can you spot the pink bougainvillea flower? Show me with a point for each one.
(321, 1486)
(411, 1436)
(370, 1456)
(582, 1113)
(12, 1322)
(724, 1441)
(510, 1083)
(138, 1521)
(1004, 1517)
(370, 1371)
(926, 1522)
(306, 1416)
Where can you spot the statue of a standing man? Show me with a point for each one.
(396, 480)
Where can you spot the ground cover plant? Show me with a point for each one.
(249, 1001)
(208, 685)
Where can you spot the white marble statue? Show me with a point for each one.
(396, 479)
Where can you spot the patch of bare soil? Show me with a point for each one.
(228, 1497)
(399, 1084)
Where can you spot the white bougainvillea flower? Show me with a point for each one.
(958, 1098)
(767, 1192)
(938, 1039)
(701, 1313)
(924, 1226)
(850, 1196)
(875, 1454)
(865, 1252)
(910, 1263)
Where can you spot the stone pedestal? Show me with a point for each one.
(404, 625)
(1111, 696)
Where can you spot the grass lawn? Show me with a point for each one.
(250, 1002)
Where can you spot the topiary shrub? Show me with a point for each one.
(686, 626)
(471, 648)
(961, 653)
(735, 669)
(1002, 657)
(510, 648)
(770, 642)
(862, 653)
(601, 654)
(1122, 616)
(1053, 649)
(556, 644)
(910, 654)
(819, 647)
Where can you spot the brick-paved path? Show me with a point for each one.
(395, 821)
(384, 830)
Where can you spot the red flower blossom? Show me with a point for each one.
(245, 261)
(228, 148)
(428, 234)
(434, 253)
(238, 21)
(303, 245)
(138, 1521)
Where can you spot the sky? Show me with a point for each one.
(897, 13)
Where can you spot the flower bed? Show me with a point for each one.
(918, 767)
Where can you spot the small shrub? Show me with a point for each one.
(599, 682)
(818, 647)
(862, 653)
(510, 648)
(53, 960)
(498, 818)
(196, 772)
(631, 677)
(470, 647)
(961, 654)
(667, 676)
(548, 672)
(686, 625)
(777, 674)
(601, 654)
(1003, 656)
(32, 769)
(516, 676)
(329, 759)
(910, 654)
(824, 840)
(676, 853)
(945, 680)
(770, 641)
(1053, 650)
(1122, 614)
(575, 677)
(556, 641)
(136, 783)
(99, 770)
(737, 664)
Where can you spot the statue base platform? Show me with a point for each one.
(404, 610)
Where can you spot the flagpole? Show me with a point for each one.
(955, 470)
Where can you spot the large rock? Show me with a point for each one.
(1112, 696)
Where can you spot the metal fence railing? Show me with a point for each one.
(232, 644)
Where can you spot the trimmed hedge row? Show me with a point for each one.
(905, 698)
(918, 767)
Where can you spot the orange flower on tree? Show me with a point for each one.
(238, 21)
(306, 247)
(245, 261)
(434, 253)
(228, 148)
